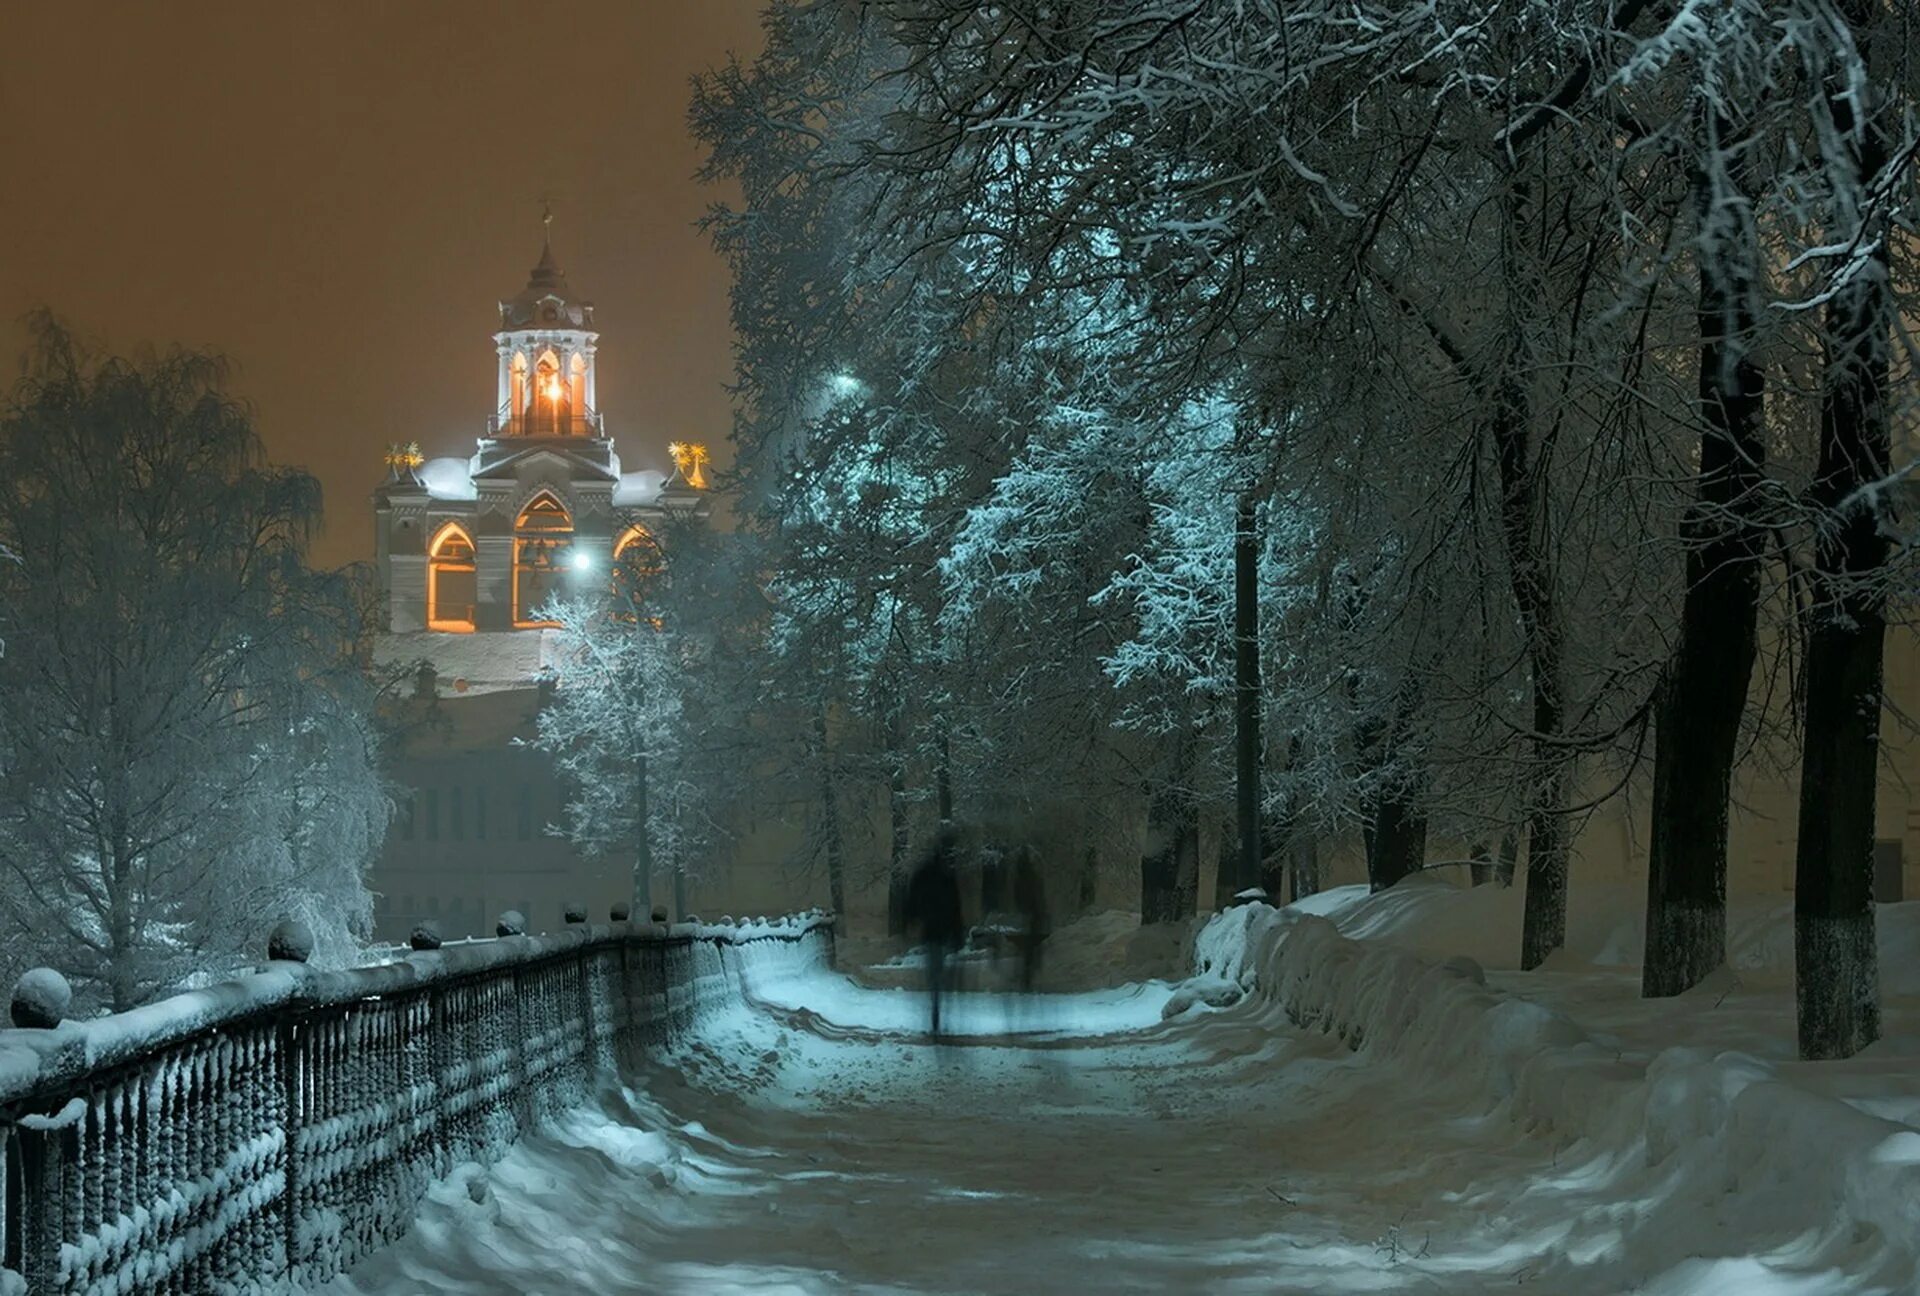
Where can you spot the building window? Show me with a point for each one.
(457, 812)
(543, 534)
(526, 812)
(452, 586)
(433, 814)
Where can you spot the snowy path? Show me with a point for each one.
(820, 1145)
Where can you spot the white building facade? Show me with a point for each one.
(481, 543)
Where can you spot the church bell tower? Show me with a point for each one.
(546, 346)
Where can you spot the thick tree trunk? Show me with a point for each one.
(1089, 889)
(1703, 695)
(1243, 871)
(1835, 956)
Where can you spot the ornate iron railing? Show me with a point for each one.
(269, 1132)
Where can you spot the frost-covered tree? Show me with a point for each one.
(185, 745)
(1489, 296)
(616, 726)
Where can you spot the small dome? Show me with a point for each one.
(547, 301)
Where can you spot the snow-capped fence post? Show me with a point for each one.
(273, 1130)
(287, 1073)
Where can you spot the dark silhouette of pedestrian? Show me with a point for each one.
(1030, 899)
(933, 906)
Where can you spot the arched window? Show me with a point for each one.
(452, 587)
(549, 396)
(577, 391)
(520, 394)
(542, 536)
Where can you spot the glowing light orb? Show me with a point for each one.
(581, 560)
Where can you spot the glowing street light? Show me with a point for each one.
(581, 560)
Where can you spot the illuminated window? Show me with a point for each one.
(549, 410)
(452, 587)
(521, 393)
(577, 389)
(542, 536)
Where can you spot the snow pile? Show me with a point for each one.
(1222, 974)
(1698, 1125)
(41, 998)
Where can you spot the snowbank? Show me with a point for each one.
(1710, 1124)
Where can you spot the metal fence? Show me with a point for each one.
(268, 1133)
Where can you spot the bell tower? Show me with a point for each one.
(546, 346)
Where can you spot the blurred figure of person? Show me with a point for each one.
(1030, 899)
(933, 906)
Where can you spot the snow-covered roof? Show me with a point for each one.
(448, 477)
(641, 487)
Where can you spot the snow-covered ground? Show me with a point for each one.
(1543, 1133)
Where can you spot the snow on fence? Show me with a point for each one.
(271, 1131)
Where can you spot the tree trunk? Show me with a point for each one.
(1396, 841)
(1704, 693)
(1524, 531)
(830, 820)
(1243, 871)
(1089, 879)
(1835, 958)
(643, 842)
